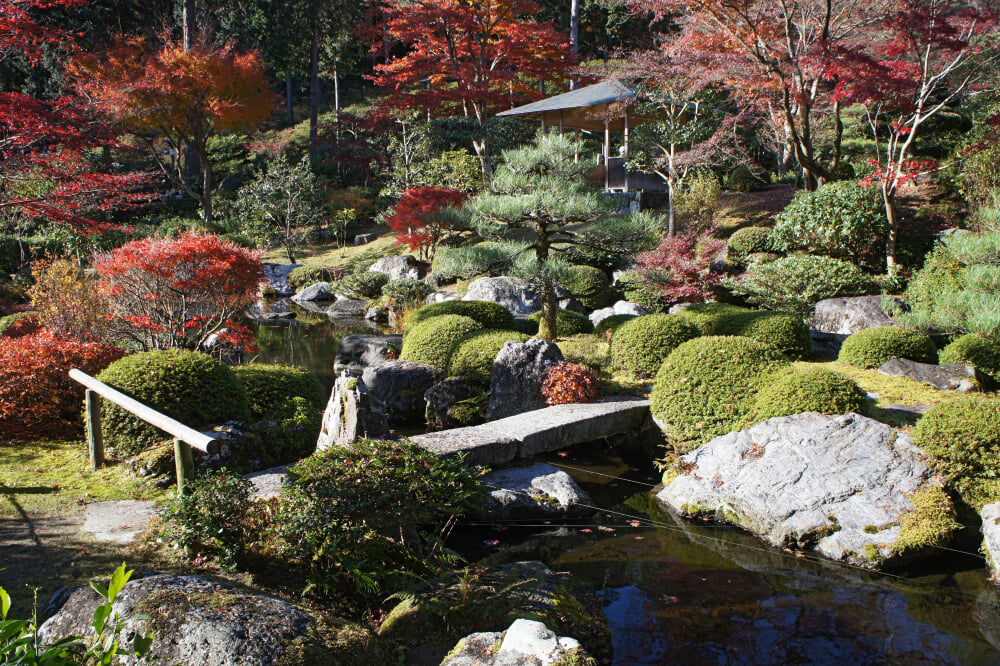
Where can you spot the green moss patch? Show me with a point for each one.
(932, 522)
(431, 341)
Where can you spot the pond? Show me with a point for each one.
(684, 592)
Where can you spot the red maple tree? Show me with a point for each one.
(680, 267)
(418, 220)
(469, 56)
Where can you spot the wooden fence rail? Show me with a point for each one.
(184, 437)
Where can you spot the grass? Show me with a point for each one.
(346, 258)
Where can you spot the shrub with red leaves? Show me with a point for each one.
(679, 267)
(417, 218)
(569, 382)
(37, 397)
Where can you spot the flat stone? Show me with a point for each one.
(481, 447)
(347, 307)
(364, 239)
(837, 484)
(948, 377)
(837, 318)
(318, 291)
(536, 490)
(360, 350)
(268, 483)
(118, 521)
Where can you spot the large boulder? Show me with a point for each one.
(518, 370)
(539, 490)
(318, 291)
(837, 318)
(524, 643)
(839, 484)
(515, 296)
(350, 413)
(442, 296)
(948, 377)
(619, 308)
(275, 281)
(398, 388)
(446, 406)
(398, 267)
(200, 622)
(345, 307)
(360, 350)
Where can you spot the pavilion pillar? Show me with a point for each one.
(607, 154)
(625, 148)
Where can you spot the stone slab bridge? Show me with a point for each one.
(539, 431)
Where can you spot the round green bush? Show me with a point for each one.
(432, 340)
(707, 316)
(267, 386)
(741, 179)
(963, 438)
(634, 287)
(974, 350)
(303, 276)
(589, 285)
(365, 284)
(706, 387)
(407, 290)
(871, 347)
(611, 324)
(193, 388)
(747, 241)
(785, 332)
(793, 391)
(567, 323)
(640, 345)
(489, 315)
(473, 355)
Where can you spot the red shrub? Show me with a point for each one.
(26, 325)
(679, 267)
(37, 397)
(417, 218)
(568, 382)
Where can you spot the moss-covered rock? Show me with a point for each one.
(473, 355)
(487, 314)
(640, 345)
(706, 386)
(932, 522)
(747, 241)
(432, 340)
(567, 323)
(589, 285)
(871, 347)
(793, 391)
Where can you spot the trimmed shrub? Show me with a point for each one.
(707, 316)
(785, 332)
(37, 397)
(793, 391)
(609, 325)
(963, 438)
(636, 289)
(288, 430)
(489, 315)
(303, 276)
(364, 284)
(406, 291)
(567, 323)
(473, 355)
(871, 347)
(267, 386)
(432, 340)
(747, 241)
(589, 285)
(706, 387)
(640, 345)
(971, 349)
(193, 388)
(741, 179)
(567, 382)
(797, 282)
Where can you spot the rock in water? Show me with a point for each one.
(537, 490)
(319, 291)
(359, 350)
(397, 268)
(525, 643)
(991, 536)
(514, 296)
(518, 370)
(837, 484)
(948, 377)
(350, 413)
(398, 388)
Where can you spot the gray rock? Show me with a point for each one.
(572, 305)
(514, 296)
(398, 387)
(679, 307)
(948, 377)
(480, 447)
(318, 291)
(537, 490)
(440, 401)
(398, 267)
(118, 522)
(350, 414)
(364, 239)
(626, 308)
(599, 315)
(347, 307)
(836, 484)
(268, 483)
(837, 318)
(359, 350)
(518, 371)
(991, 536)
(377, 314)
(197, 622)
(276, 278)
(442, 296)
(524, 643)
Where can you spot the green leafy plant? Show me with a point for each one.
(640, 344)
(474, 354)
(20, 644)
(971, 349)
(782, 331)
(589, 285)
(406, 291)
(871, 347)
(363, 284)
(741, 179)
(747, 241)
(433, 340)
(793, 391)
(303, 276)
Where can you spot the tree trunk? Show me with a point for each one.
(288, 97)
(336, 96)
(188, 27)
(206, 190)
(670, 207)
(548, 325)
(893, 235)
(314, 91)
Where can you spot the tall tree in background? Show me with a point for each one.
(914, 63)
(181, 96)
(473, 56)
(772, 54)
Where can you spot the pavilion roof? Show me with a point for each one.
(585, 108)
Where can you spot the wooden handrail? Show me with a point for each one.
(171, 426)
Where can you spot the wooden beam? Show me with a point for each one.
(198, 440)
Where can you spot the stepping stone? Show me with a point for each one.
(118, 522)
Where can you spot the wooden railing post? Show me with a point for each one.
(94, 439)
(184, 462)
